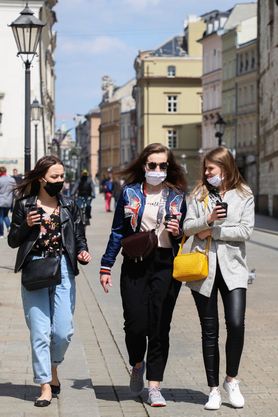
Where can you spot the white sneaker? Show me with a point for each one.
(235, 397)
(214, 399)
(155, 398)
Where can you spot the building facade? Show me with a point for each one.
(168, 96)
(116, 103)
(212, 76)
(267, 202)
(219, 72)
(12, 103)
(246, 101)
(93, 117)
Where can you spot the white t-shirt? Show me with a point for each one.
(149, 219)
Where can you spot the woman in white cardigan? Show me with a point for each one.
(228, 227)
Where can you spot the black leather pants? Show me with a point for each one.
(234, 307)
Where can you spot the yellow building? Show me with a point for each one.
(168, 96)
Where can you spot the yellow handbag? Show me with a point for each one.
(191, 266)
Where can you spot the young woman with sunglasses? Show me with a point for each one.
(154, 187)
(229, 221)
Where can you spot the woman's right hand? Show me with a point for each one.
(217, 213)
(33, 218)
(105, 281)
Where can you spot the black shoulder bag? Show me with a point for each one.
(41, 273)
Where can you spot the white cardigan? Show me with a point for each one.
(228, 239)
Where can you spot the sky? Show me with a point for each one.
(103, 37)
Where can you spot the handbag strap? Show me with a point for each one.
(184, 238)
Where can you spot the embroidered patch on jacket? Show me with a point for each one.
(132, 208)
(175, 206)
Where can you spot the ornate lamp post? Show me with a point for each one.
(36, 113)
(27, 31)
(219, 125)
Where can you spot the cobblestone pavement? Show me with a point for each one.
(94, 375)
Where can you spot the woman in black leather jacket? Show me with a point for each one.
(45, 223)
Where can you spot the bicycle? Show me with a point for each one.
(84, 203)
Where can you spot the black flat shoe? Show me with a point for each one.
(42, 403)
(55, 389)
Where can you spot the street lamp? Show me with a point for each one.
(183, 158)
(36, 113)
(219, 125)
(27, 31)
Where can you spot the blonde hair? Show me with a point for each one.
(224, 159)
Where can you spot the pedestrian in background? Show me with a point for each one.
(17, 177)
(108, 190)
(229, 221)
(154, 187)
(7, 186)
(46, 224)
(84, 191)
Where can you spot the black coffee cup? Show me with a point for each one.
(168, 218)
(224, 206)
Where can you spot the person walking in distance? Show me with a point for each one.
(154, 187)
(7, 186)
(108, 190)
(45, 224)
(228, 220)
(84, 188)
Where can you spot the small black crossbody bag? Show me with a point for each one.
(41, 273)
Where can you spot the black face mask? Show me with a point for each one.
(53, 188)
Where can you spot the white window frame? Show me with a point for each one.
(171, 71)
(172, 103)
(172, 138)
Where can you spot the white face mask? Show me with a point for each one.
(215, 181)
(155, 177)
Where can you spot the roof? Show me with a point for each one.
(173, 47)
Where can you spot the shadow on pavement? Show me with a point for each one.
(82, 384)
(122, 393)
(20, 391)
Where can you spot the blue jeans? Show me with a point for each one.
(49, 317)
(4, 218)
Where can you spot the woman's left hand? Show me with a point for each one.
(84, 256)
(173, 227)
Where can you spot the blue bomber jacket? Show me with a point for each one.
(128, 216)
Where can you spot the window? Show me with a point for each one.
(253, 60)
(171, 71)
(172, 138)
(172, 104)
(246, 62)
(241, 63)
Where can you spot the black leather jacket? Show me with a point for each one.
(23, 237)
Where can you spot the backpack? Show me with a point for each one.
(84, 188)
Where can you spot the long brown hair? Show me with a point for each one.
(135, 172)
(224, 159)
(31, 185)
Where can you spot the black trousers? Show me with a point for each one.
(234, 307)
(149, 295)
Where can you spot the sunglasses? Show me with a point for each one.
(152, 165)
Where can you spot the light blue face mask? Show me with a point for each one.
(155, 177)
(215, 181)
